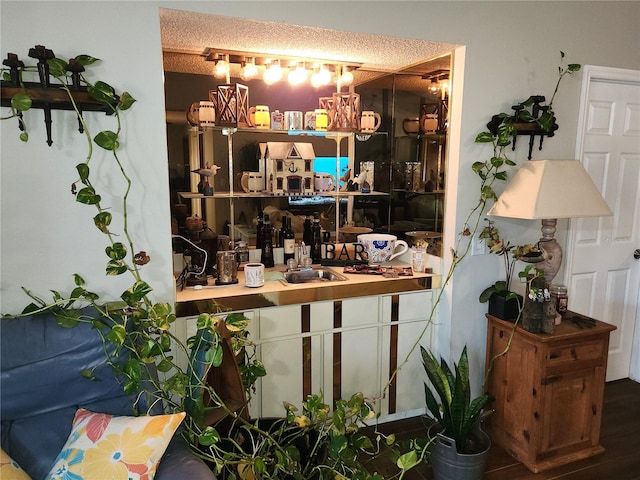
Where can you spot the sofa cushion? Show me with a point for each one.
(9, 468)
(42, 388)
(106, 447)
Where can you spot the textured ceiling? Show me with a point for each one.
(188, 36)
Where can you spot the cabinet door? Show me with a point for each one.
(571, 412)
(405, 318)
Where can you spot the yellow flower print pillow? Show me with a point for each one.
(9, 469)
(106, 447)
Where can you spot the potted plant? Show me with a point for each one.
(459, 447)
(504, 303)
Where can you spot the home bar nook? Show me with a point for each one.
(280, 159)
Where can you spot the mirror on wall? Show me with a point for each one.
(403, 161)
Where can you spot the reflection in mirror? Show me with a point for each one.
(401, 155)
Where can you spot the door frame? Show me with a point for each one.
(591, 73)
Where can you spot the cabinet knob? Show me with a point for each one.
(636, 254)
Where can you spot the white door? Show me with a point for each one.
(603, 276)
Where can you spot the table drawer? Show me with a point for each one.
(574, 356)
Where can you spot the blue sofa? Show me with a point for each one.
(41, 388)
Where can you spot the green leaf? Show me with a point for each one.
(126, 100)
(546, 121)
(337, 446)
(116, 267)
(102, 92)
(139, 290)
(164, 365)
(407, 461)
(133, 373)
(67, 318)
(484, 137)
(78, 280)
(88, 196)
(57, 67)
(259, 466)
(88, 373)
(214, 355)
(24, 136)
(102, 220)
(501, 175)
(117, 334)
(574, 67)
(85, 60)
(107, 140)
(83, 171)
(117, 251)
(21, 102)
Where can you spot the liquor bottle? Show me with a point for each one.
(259, 228)
(288, 239)
(266, 257)
(281, 232)
(307, 235)
(316, 244)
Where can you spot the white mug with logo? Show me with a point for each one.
(381, 247)
(323, 182)
(254, 275)
(252, 182)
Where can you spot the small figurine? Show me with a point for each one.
(208, 171)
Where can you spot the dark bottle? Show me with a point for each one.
(281, 232)
(316, 243)
(267, 243)
(307, 235)
(259, 228)
(288, 239)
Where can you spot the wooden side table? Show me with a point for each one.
(548, 391)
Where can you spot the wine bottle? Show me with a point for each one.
(316, 244)
(289, 239)
(266, 257)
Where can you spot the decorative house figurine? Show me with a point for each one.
(288, 167)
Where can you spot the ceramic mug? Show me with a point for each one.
(202, 114)
(252, 182)
(259, 117)
(369, 121)
(429, 123)
(293, 120)
(323, 182)
(254, 275)
(381, 247)
(322, 120)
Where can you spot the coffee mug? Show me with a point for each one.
(322, 120)
(254, 275)
(259, 117)
(369, 121)
(381, 247)
(429, 123)
(252, 182)
(310, 120)
(293, 120)
(202, 114)
(323, 182)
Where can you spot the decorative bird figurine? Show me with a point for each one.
(208, 171)
(360, 179)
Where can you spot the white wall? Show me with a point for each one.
(512, 51)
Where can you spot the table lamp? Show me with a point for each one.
(548, 190)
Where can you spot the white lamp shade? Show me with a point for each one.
(551, 189)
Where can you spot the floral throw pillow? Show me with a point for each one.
(9, 469)
(106, 447)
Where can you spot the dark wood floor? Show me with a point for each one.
(620, 437)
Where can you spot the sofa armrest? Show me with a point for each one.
(179, 463)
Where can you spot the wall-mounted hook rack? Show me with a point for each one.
(46, 95)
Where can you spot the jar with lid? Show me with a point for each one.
(559, 297)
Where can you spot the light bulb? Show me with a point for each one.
(347, 77)
(298, 75)
(248, 69)
(222, 68)
(321, 77)
(434, 87)
(273, 74)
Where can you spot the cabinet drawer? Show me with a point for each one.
(574, 356)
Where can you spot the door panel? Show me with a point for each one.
(603, 276)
